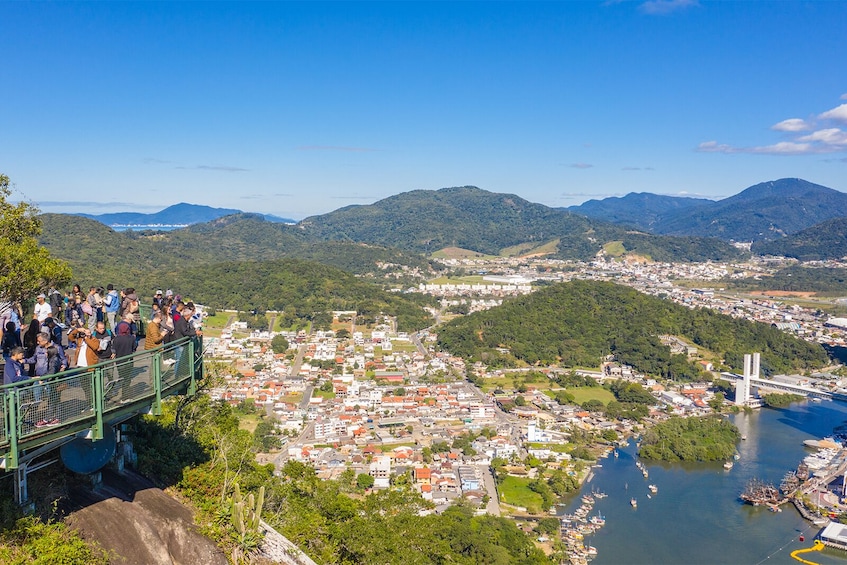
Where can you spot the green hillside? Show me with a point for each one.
(827, 240)
(769, 210)
(579, 323)
(470, 218)
(821, 280)
(97, 253)
(303, 289)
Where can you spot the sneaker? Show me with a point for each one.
(54, 422)
(41, 423)
(126, 401)
(169, 361)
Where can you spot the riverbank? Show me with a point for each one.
(698, 502)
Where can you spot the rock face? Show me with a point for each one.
(139, 524)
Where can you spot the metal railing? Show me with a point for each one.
(83, 400)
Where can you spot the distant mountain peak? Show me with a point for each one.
(182, 213)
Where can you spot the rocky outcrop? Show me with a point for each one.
(276, 548)
(138, 524)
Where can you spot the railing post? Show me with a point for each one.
(13, 423)
(192, 385)
(156, 406)
(21, 490)
(99, 403)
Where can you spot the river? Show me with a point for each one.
(696, 517)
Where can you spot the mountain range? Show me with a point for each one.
(765, 211)
(484, 222)
(406, 227)
(178, 214)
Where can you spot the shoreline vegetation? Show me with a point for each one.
(706, 438)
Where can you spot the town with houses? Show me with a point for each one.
(388, 405)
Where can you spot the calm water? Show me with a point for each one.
(696, 517)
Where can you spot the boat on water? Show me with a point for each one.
(633, 502)
(653, 488)
(649, 495)
(616, 454)
(728, 465)
(598, 520)
(744, 437)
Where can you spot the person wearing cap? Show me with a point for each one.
(111, 304)
(42, 309)
(158, 300)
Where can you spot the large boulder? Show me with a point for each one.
(138, 524)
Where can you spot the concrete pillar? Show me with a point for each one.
(21, 490)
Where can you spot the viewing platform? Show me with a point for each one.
(86, 405)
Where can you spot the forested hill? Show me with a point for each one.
(769, 210)
(240, 263)
(827, 240)
(97, 253)
(824, 281)
(642, 210)
(301, 289)
(579, 323)
(468, 217)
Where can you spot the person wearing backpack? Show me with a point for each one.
(111, 305)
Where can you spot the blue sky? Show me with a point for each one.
(299, 109)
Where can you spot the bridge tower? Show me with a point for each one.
(751, 371)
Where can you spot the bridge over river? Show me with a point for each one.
(86, 406)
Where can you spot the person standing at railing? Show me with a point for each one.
(183, 328)
(13, 372)
(124, 345)
(40, 362)
(86, 347)
(155, 334)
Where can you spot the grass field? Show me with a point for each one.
(248, 422)
(614, 248)
(472, 279)
(584, 393)
(459, 253)
(515, 491)
(511, 382)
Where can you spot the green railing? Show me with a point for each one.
(82, 401)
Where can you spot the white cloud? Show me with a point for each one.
(792, 124)
(662, 7)
(838, 114)
(830, 136)
(820, 140)
(582, 165)
(714, 147)
(781, 148)
(844, 96)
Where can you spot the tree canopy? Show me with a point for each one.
(26, 268)
(581, 322)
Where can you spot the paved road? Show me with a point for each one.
(493, 507)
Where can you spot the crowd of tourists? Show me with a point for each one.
(75, 330)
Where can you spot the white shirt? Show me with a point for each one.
(43, 311)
